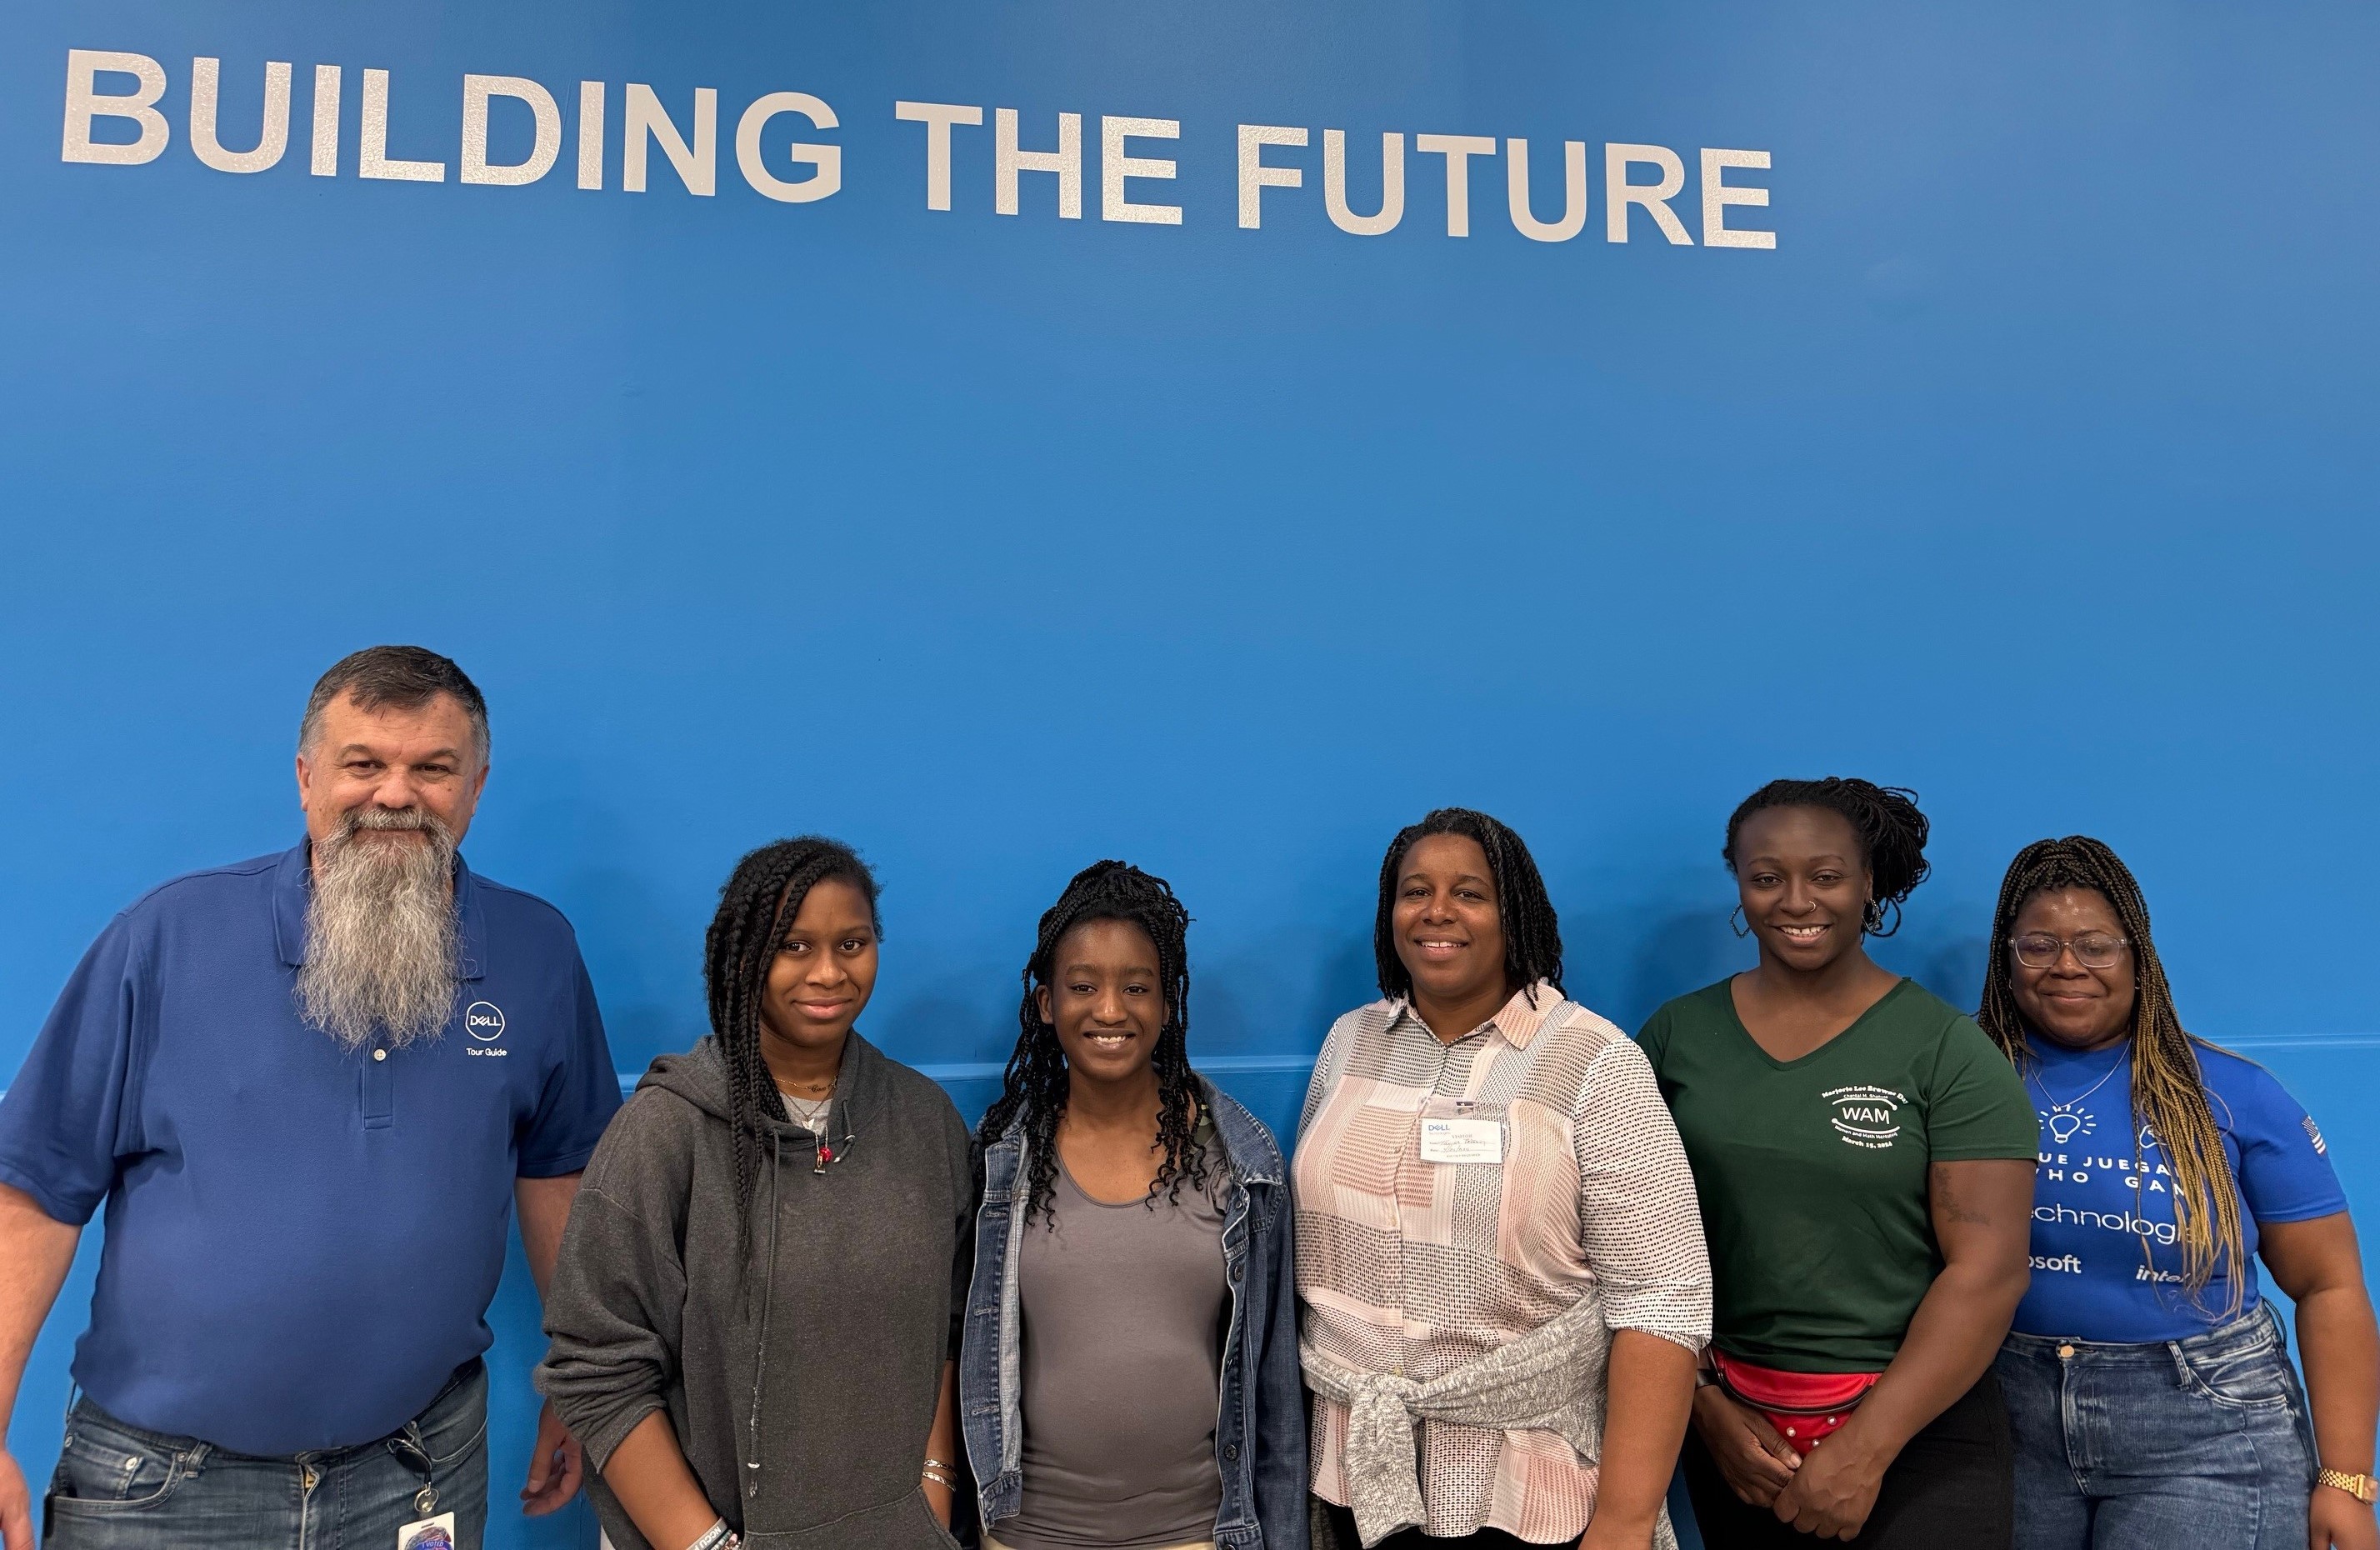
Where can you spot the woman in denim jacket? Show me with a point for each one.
(1129, 1379)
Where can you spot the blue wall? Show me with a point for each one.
(2030, 469)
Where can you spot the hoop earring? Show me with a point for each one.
(1736, 922)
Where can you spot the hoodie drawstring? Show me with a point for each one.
(768, 1284)
(767, 1296)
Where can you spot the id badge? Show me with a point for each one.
(1457, 1131)
(429, 1533)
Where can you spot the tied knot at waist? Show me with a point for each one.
(1551, 1378)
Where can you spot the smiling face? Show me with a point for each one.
(366, 768)
(825, 970)
(1804, 882)
(1105, 997)
(2078, 1006)
(1449, 935)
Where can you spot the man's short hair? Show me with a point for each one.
(393, 678)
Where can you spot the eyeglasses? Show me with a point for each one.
(2093, 951)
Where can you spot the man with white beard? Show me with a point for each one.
(306, 1088)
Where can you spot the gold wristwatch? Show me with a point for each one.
(2362, 1487)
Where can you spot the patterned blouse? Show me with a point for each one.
(1415, 1268)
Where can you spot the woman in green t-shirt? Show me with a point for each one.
(1864, 1158)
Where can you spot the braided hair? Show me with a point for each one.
(1036, 1084)
(1532, 932)
(1891, 835)
(756, 909)
(2168, 1093)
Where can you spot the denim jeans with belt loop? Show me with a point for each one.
(119, 1487)
(2157, 1446)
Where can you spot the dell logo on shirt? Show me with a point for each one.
(483, 1021)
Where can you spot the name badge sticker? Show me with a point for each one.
(1448, 1140)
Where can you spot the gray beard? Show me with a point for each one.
(381, 948)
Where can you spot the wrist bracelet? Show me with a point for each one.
(2362, 1487)
(719, 1536)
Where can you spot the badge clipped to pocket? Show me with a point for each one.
(1457, 1131)
(429, 1533)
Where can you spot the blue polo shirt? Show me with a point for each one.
(302, 1241)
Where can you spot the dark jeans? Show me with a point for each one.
(119, 1487)
(1953, 1488)
(1342, 1524)
(2204, 1441)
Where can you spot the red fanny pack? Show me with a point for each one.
(1804, 1407)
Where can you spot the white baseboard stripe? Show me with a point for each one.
(1263, 1065)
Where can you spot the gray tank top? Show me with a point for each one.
(1124, 1314)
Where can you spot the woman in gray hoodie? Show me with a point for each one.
(757, 1305)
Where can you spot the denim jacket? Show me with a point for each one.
(1260, 1423)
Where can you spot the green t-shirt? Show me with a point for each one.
(1812, 1172)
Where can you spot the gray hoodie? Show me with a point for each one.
(801, 1380)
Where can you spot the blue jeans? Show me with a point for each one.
(2203, 1441)
(119, 1487)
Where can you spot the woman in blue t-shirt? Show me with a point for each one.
(2148, 1386)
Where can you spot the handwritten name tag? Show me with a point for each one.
(1462, 1141)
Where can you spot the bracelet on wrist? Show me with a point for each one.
(2362, 1487)
(719, 1536)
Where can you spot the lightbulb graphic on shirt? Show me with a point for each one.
(2065, 1124)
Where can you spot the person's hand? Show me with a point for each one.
(938, 1499)
(1755, 1461)
(1834, 1490)
(555, 1466)
(16, 1505)
(2335, 1520)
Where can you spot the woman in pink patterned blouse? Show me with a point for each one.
(1499, 1262)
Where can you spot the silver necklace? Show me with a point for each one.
(808, 1113)
(2066, 1121)
(2068, 1107)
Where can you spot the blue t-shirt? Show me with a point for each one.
(2094, 1203)
(302, 1240)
